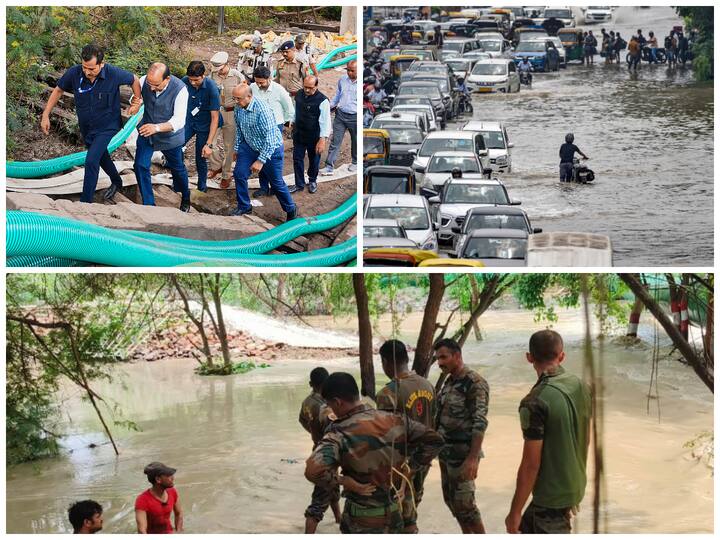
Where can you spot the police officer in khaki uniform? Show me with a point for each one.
(461, 418)
(254, 58)
(226, 78)
(290, 71)
(413, 396)
(305, 53)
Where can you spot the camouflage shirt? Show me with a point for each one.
(462, 406)
(314, 416)
(415, 396)
(367, 444)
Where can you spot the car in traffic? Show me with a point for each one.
(448, 89)
(451, 140)
(441, 165)
(496, 48)
(400, 119)
(494, 75)
(422, 109)
(496, 247)
(383, 228)
(405, 141)
(461, 66)
(429, 90)
(598, 14)
(564, 15)
(491, 217)
(411, 211)
(543, 54)
(457, 47)
(458, 195)
(497, 143)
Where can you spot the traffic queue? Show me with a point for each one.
(433, 172)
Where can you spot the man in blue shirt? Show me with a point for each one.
(203, 117)
(96, 87)
(345, 106)
(258, 149)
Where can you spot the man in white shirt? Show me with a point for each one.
(279, 100)
(162, 129)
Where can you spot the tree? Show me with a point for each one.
(426, 339)
(367, 372)
(701, 18)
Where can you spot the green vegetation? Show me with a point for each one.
(237, 368)
(701, 18)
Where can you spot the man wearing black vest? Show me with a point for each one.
(162, 129)
(311, 129)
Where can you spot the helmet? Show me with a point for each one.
(456, 172)
(461, 80)
(569, 138)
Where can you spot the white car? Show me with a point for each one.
(383, 228)
(410, 211)
(450, 140)
(460, 66)
(496, 48)
(561, 14)
(598, 14)
(460, 195)
(419, 108)
(408, 119)
(495, 75)
(488, 35)
(441, 165)
(497, 143)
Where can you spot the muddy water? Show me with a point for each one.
(239, 449)
(650, 140)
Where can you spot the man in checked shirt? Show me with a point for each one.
(258, 147)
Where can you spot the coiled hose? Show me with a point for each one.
(36, 169)
(262, 242)
(33, 234)
(325, 63)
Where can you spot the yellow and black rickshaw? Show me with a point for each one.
(402, 257)
(572, 41)
(399, 63)
(388, 179)
(376, 147)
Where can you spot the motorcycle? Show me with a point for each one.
(582, 174)
(526, 78)
(645, 55)
(465, 105)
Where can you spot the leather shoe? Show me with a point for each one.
(224, 183)
(291, 215)
(214, 173)
(185, 205)
(260, 193)
(111, 191)
(239, 212)
(295, 189)
(312, 188)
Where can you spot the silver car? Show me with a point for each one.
(450, 140)
(496, 140)
(459, 195)
(441, 165)
(496, 247)
(411, 211)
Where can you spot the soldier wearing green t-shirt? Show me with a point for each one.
(555, 421)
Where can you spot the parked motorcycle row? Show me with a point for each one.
(433, 189)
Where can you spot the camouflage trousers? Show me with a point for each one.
(320, 502)
(409, 512)
(390, 521)
(459, 495)
(540, 520)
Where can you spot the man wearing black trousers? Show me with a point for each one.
(311, 129)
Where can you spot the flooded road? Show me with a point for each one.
(239, 449)
(650, 140)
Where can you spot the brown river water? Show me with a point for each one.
(239, 449)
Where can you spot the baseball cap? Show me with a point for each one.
(158, 469)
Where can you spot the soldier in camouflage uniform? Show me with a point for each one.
(315, 418)
(368, 444)
(413, 396)
(461, 418)
(555, 420)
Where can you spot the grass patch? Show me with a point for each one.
(236, 368)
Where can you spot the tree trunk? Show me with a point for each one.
(633, 281)
(492, 290)
(424, 348)
(280, 298)
(475, 298)
(367, 371)
(199, 323)
(708, 340)
(222, 333)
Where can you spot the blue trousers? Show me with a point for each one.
(200, 162)
(174, 157)
(299, 150)
(97, 157)
(263, 176)
(273, 169)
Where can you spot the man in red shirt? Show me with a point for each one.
(153, 507)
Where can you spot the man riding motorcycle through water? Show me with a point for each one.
(525, 70)
(465, 101)
(567, 153)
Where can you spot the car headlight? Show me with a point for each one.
(501, 160)
(445, 220)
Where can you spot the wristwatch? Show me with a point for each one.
(210, 146)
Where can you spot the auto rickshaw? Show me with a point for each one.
(423, 52)
(400, 63)
(399, 257)
(572, 40)
(376, 147)
(388, 179)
